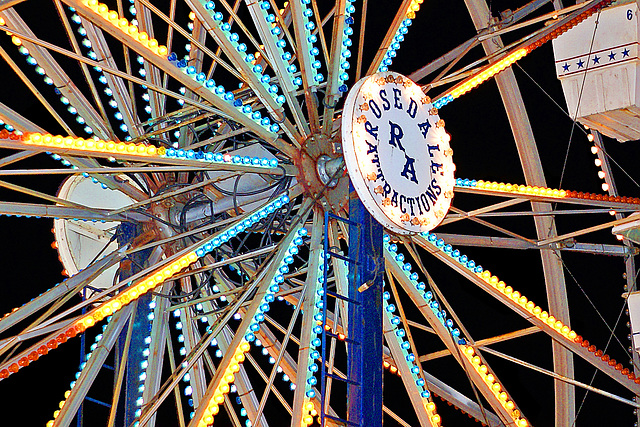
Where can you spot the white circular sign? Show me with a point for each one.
(397, 153)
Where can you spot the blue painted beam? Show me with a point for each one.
(364, 364)
(126, 413)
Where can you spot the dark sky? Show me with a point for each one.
(483, 149)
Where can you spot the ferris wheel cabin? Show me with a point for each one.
(597, 64)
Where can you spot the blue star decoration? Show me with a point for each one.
(625, 52)
(596, 59)
(580, 64)
(565, 67)
(612, 56)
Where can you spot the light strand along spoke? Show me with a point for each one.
(78, 392)
(470, 360)
(522, 306)
(148, 279)
(266, 288)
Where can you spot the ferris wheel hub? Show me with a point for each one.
(319, 172)
(329, 169)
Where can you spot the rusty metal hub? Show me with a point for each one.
(322, 173)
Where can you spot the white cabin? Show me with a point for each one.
(598, 69)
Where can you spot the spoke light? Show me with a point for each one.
(280, 42)
(514, 297)
(483, 371)
(398, 38)
(528, 190)
(410, 359)
(67, 393)
(345, 44)
(492, 69)
(141, 150)
(127, 28)
(315, 343)
(223, 29)
(222, 93)
(143, 285)
(223, 388)
(309, 39)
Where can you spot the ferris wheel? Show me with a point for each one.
(218, 174)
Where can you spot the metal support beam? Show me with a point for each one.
(510, 243)
(545, 226)
(364, 368)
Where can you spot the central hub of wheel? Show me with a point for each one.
(322, 173)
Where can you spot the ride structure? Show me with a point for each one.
(231, 168)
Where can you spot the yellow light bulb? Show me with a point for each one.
(558, 325)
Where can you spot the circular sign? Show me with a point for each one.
(397, 153)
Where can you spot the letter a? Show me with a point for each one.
(409, 169)
(424, 128)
